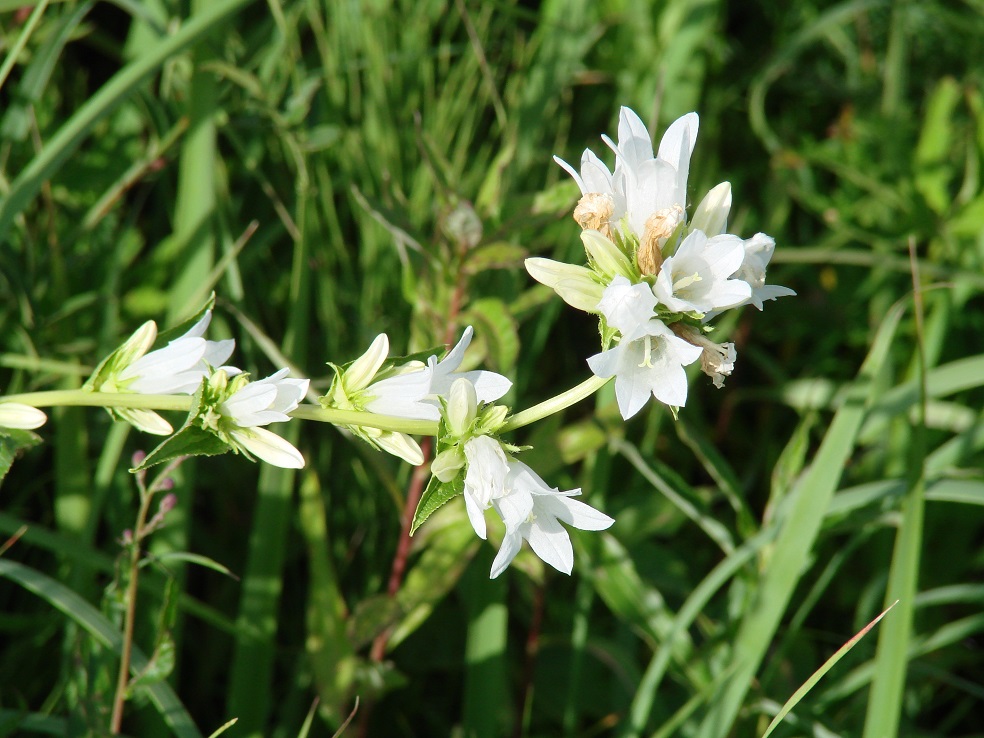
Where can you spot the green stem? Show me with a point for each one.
(555, 404)
(84, 398)
(52, 398)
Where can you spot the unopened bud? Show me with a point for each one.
(447, 464)
(463, 226)
(137, 458)
(605, 255)
(462, 406)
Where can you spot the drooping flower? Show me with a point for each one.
(485, 478)
(717, 360)
(758, 252)
(649, 358)
(533, 511)
(175, 369)
(15, 415)
(530, 509)
(246, 406)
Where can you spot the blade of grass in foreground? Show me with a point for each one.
(818, 674)
(95, 624)
(799, 527)
(891, 659)
(70, 136)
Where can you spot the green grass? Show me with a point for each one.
(304, 160)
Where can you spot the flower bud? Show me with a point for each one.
(448, 463)
(576, 285)
(462, 406)
(493, 416)
(16, 415)
(711, 216)
(360, 373)
(606, 256)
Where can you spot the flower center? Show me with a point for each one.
(686, 281)
(647, 352)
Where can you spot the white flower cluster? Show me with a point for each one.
(238, 407)
(654, 277)
(529, 508)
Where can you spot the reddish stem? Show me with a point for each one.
(529, 665)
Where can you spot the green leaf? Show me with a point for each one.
(498, 255)
(436, 495)
(179, 330)
(101, 630)
(496, 325)
(934, 168)
(190, 440)
(12, 442)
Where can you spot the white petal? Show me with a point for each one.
(576, 513)
(199, 328)
(402, 396)
(402, 446)
(677, 146)
(489, 386)
(514, 508)
(570, 170)
(769, 292)
(154, 371)
(511, 544)
(217, 353)
(711, 215)
(634, 142)
(595, 175)
(362, 370)
(626, 306)
(24, 417)
(269, 447)
(476, 515)
(604, 364)
(255, 397)
(552, 543)
(146, 420)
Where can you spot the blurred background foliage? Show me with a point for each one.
(335, 169)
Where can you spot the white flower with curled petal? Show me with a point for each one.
(533, 511)
(15, 415)
(649, 358)
(758, 252)
(259, 403)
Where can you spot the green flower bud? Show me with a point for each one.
(576, 285)
(448, 464)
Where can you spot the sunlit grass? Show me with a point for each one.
(311, 154)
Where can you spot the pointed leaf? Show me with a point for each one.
(436, 495)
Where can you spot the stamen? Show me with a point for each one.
(647, 360)
(684, 282)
